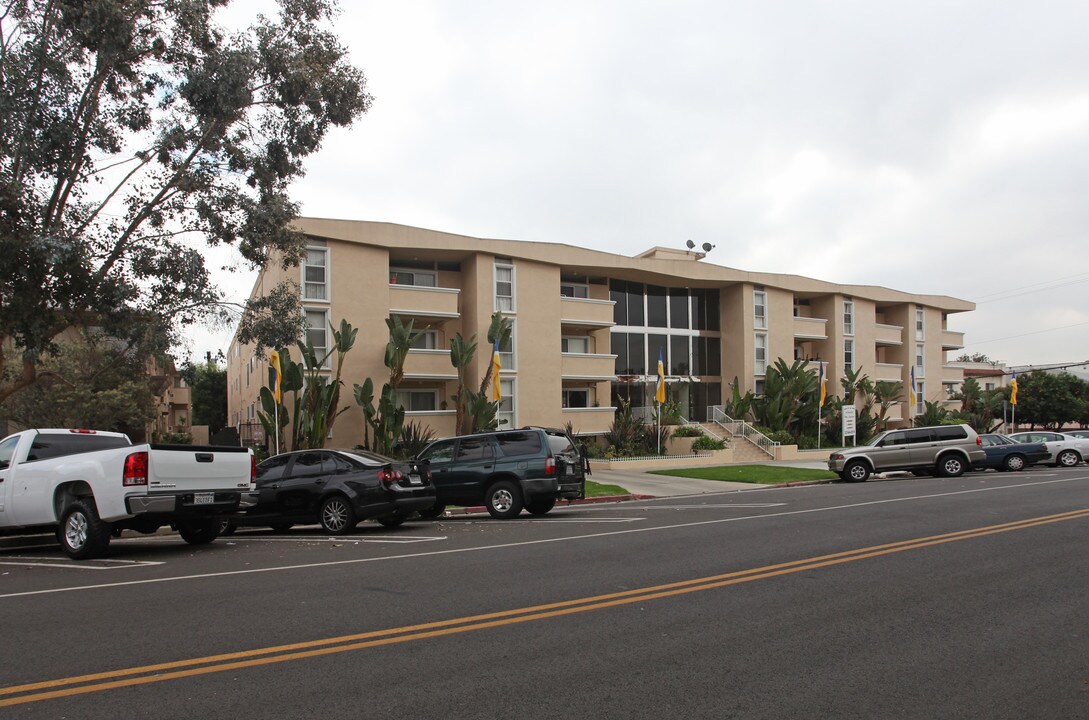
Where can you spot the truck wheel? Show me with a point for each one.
(336, 515)
(951, 466)
(540, 504)
(435, 511)
(504, 500)
(81, 533)
(856, 471)
(199, 532)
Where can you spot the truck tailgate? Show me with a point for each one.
(185, 467)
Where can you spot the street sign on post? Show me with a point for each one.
(848, 423)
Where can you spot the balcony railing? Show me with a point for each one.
(429, 365)
(952, 340)
(740, 428)
(889, 334)
(589, 419)
(586, 313)
(422, 301)
(582, 366)
(811, 328)
(890, 372)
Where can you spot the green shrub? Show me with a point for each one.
(169, 438)
(708, 443)
(780, 436)
(687, 431)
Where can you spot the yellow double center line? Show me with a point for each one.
(51, 689)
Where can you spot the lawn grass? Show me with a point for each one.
(594, 489)
(760, 474)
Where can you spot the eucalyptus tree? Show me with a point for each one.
(134, 133)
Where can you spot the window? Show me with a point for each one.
(426, 340)
(440, 452)
(580, 345)
(506, 352)
(920, 402)
(988, 386)
(272, 469)
(474, 448)
(314, 274)
(504, 287)
(920, 326)
(317, 334)
(950, 432)
(656, 306)
(799, 303)
(505, 413)
(760, 344)
(758, 386)
(54, 445)
(513, 444)
(848, 354)
(760, 309)
(417, 400)
(576, 398)
(678, 355)
(574, 290)
(848, 316)
(920, 366)
(419, 278)
(679, 305)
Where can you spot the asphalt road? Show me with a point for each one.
(913, 598)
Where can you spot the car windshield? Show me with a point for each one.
(367, 458)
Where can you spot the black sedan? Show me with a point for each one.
(1003, 453)
(336, 489)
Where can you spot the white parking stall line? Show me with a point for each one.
(99, 564)
(585, 520)
(396, 540)
(717, 506)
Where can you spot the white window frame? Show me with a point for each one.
(416, 275)
(403, 398)
(326, 292)
(319, 351)
(920, 323)
(920, 360)
(760, 354)
(920, 401)
(508, 359)
(430, 340)
(565, 344)
(578, 290)
(504, 303)
(507, 406)
(848, 316)
(760, 309)
(583, 391)
(848, 355)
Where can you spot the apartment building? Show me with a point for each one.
(588, 326)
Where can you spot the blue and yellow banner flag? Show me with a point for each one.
(914, 400)
(275, 376)
(821, 382)
(659, 392)
(497, 393)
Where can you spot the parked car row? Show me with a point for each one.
(506, 471)
(951, 450)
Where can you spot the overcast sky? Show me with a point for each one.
(930, 147)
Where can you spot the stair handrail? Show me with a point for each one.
(742, 428)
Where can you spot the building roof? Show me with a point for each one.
(659, 265)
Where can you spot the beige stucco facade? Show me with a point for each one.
(573, 349)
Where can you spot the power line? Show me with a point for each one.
(1037, 332)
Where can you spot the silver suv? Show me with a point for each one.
(946, 450)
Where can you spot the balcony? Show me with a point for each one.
(952, 375)
(586, 313)
(810, 328)
(952, 340)
(889, 372)
(429, 365)
(584, 366)
(441, 422)
(589, 420)
(417, 301)
(889, 334)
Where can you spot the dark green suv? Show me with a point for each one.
(506, 470)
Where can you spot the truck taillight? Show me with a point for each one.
(135, 472)
(253, 468)
(979, 441)
(390, 476)
(550, 466)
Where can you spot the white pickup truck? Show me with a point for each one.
(89, 485)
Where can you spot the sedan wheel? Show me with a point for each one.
(336, 515)
(1068, 458)
(1014, 463)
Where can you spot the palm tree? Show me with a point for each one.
(499, 329)
(461, 354)
(886, 393)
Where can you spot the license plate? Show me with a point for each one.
(414, 480)
(570, 469)
(204, 498)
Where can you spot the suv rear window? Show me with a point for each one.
(950, 432)
(514, 444)
(560, 444)
(54, 445)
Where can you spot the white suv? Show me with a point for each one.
(946, 450)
